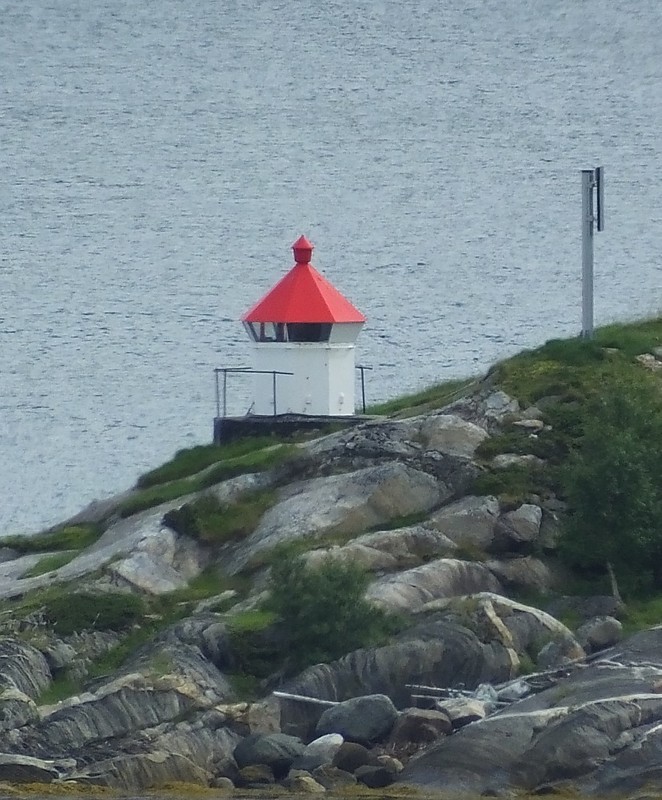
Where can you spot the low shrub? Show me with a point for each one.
(322, 609)
(71, 613)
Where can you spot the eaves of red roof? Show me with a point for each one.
(303, 295)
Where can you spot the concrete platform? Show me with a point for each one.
(228, 429)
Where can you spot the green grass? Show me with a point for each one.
(194, 459)
(72, 537)
(50, 563)
(642, 614)
(435, 396)
(211, 522)
(251, 462)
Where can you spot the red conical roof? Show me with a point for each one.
(303, 295)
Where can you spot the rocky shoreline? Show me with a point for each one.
(479, 693)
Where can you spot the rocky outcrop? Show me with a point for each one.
(410, 590)
(347, 503)
(598, 729)
(23, 667)
(583, 717)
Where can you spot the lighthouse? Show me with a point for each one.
(303, 332)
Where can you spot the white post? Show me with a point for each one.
(588, 183)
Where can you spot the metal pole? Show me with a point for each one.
(363, 387)
(587, 253)
(225, 392)
(218, 401)
(274, 381)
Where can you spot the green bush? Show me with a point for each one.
(71, 613)
(322, 610)
(613, 485)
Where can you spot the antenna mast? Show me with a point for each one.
(592, 184)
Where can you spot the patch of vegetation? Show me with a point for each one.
(194, 459)
(61, 688)
(209, 521)
(322, 610)
(613, 486)
(256, 647)
(50, 563)
(631, 339)
(254, 461)
(70, 613)
(436, 396)
(642, 613)
(70, 537)
(514, 485)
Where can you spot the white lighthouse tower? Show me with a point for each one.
(304, 332)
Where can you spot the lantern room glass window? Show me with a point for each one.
(289, 332)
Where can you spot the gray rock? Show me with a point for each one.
(16, 709)
(276, 750)
(320, 751)
(364, 720)
(23, 667)
(59, 655)
(522, 524)
(468, 521)
(410, 590)
(255, 776)
(391, 550)
(137, 771)
(526, 573)
(351, 756)
(301, 782)
(347, 503)
(558, 652)
(450, 434)
(418, 726)
(463, 710)
(331, 777)
(374, 777)
(598, 633)
(436, 652)
(24, 769)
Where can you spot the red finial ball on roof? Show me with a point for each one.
(303, 250)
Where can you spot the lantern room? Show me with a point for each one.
(304, 333)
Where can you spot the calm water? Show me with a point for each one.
(158, 158)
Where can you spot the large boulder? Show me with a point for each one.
(410, 590)
(365, 720)
(276, 750)
(469, 522)
(520, 526)
(450, 434)
(347, 503)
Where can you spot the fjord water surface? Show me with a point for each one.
(158, 158)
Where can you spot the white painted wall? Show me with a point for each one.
(323, 381)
